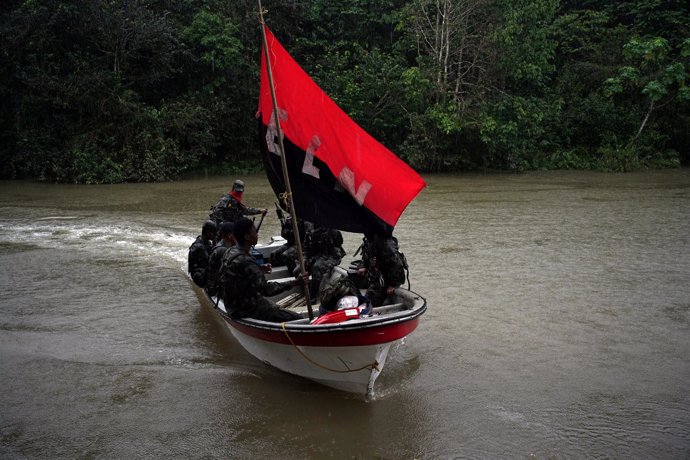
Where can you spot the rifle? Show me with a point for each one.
(281, 213)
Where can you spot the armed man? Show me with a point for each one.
(230, 207)
(384, 266)
(199, 253)
(323, 251)
(227, 240)
(244, 282)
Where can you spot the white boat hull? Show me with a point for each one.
(347, 355)
(351, 369)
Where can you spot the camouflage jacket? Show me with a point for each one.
(215, 261)
(386, 265)
(324, 242)
(228, 209)
(287, 232)
(197, 261)
(244, 283)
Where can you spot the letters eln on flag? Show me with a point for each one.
(341, 177)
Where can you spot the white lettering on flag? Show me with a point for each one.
(272, 131)
(346, 178)
(308, 167)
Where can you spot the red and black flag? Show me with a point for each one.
(340, 176)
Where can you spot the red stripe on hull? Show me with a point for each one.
(354, 338)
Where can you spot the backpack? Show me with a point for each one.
(229, 288)
(335, 290)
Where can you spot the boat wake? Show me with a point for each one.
(97, 236)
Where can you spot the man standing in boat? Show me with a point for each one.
(230, 207)
(199, 253)
(244, 282)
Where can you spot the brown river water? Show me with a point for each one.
(558, 326)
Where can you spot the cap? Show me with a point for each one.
(209, 226)
(238, 186)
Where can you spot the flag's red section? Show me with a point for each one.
(374, 175)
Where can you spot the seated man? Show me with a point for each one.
(323, 250)
(384, 266)
(287, 253)
(199, 252)
(245, 284)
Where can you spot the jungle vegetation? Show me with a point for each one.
(105, 91)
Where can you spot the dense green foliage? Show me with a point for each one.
(146, 90)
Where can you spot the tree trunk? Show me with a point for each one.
(644, 122)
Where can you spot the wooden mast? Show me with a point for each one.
(286, 177)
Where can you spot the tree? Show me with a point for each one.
(134, 90)
(516, 122)
(655, 73)
(588, 44)
(449, 80)
(93, 95)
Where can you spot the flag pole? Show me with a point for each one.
(283, 161)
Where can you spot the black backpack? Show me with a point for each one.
(229, 288)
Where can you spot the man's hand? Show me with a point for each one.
(302, 278)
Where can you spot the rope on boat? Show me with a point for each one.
(285, 196)
(372, 366)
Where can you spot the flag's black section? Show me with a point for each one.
(321, 201)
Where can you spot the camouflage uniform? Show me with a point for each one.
(215, 262)
(245, 286)
(385, 266)
(333, 290)
(197, 261)
(229, 209)
(323, 251)
(287, 253)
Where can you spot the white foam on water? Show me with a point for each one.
(80, 234)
